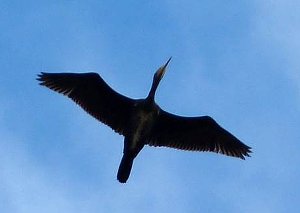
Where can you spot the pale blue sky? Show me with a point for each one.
(236, 61)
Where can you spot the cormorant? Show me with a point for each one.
(142, 121)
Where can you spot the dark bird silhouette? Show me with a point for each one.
(142, 121)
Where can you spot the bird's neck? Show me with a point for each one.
(150, 99)
(151, 94)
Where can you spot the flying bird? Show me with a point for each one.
(141, 121)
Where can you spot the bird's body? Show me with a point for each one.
(142, 121)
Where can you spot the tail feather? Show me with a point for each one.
(125, 168)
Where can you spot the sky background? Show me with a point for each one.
(237, 61)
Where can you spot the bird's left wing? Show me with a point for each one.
(91, 92)
(195, 134)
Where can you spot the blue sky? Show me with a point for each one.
(235, 61)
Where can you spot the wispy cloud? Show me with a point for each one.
(24, 185)
(278, 26)
(235, 61)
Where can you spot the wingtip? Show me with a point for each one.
(247, 153)
(40, 76)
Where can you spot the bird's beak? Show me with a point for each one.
(163, 69)
(166, 64)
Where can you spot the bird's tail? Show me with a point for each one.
(125, 168)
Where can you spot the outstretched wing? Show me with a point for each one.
(91, 92)
(196, 134)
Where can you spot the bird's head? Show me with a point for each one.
(159, 74)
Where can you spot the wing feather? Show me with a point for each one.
(196, 134)
(90, 91)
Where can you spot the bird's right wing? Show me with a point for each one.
(196, 134)
(91, 92)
